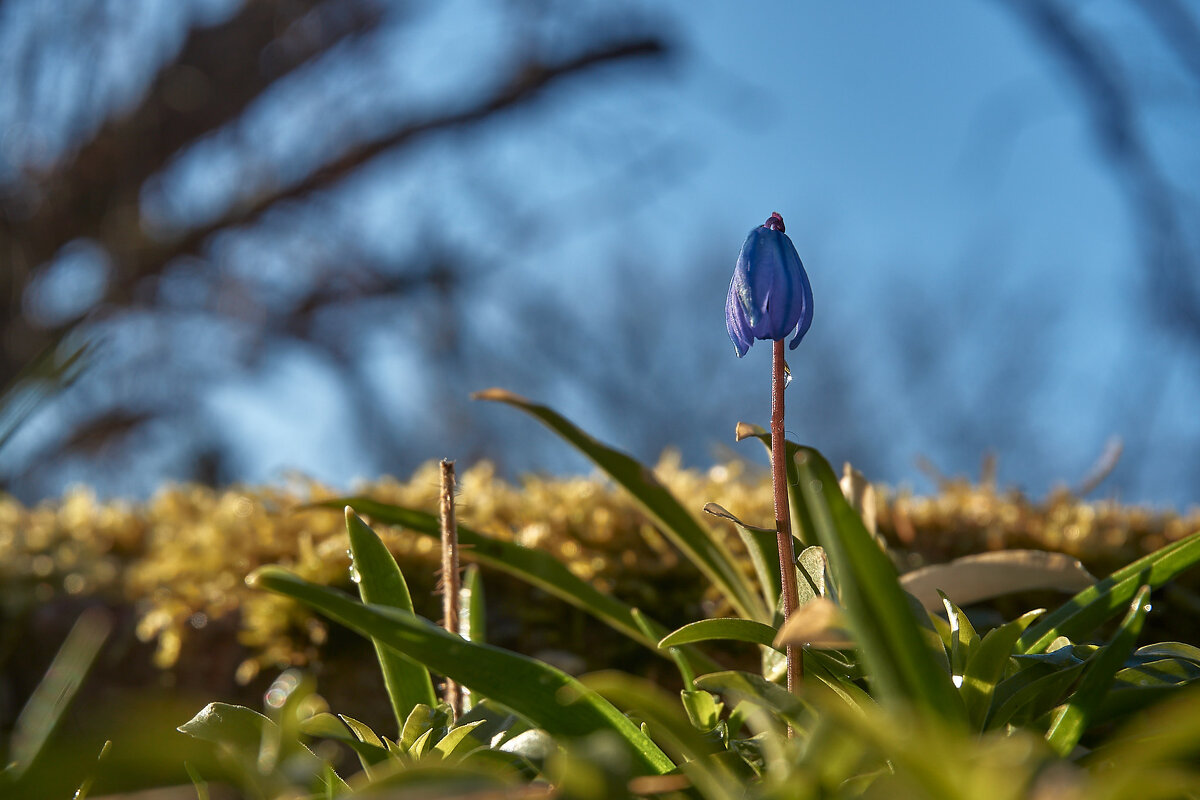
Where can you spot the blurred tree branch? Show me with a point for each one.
(1092, 62)
(95, 190)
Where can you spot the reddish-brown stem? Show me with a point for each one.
(783, 517)
(450, 577)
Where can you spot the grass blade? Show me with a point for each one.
(381, 582)
(707, 630)
(58, 686)
(900, 662)
(535, 567)
(985, 666)
(1070, 723)
(800, 530)
(763, 546)
(697, 543)
(549, 698)
(1094, 606)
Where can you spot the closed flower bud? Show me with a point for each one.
(770, 295)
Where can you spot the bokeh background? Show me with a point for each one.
(296, 234)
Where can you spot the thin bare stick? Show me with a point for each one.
(450, 576)
(783, 517)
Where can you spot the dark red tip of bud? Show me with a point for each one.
(775, 223)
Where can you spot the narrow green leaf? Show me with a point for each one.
(423, 719)
(362, 731)
(663, 715)
(58, 686)
(962, 636)
(704, 550)
(801, 524)
(986, 663)
(472, 619)
(198, 782)
(381, 582)
(763, 546)
(473, 610)
(746, 686)
(1030, 693)
(1185, 652)
(328, 726)
(237, 727)
(899, 660)
(458, 742)
(1094, 606)
(707, 630)
(1070, 723)
(547, 697)
(1158, 672)
(535, 567)
(678, 654)
(422, 745)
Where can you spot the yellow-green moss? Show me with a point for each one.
(180, 559)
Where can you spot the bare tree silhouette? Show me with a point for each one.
(186, 289)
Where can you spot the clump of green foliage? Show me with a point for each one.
(180, 558)
(896, 701)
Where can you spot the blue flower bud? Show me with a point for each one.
(770, 295)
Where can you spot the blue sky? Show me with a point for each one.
(971, 249)
(932, 163)
(933, 146)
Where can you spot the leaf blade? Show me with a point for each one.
(381, 582)
(1093, 606)
(535, 567)
(1072, 721)
(704, 550)
(876, 607)
(725, 628)
(548, 697)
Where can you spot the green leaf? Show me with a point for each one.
(458, 741)
(535, 567)
(236, 727)
(678, 654)
(707, 630)
(986, 664)
(962, 636)
(745, 686)
(1177, 650)
(1031, 692)
(703, 709)
(547, 697)
(381, 582)
(423, 719)
(1094, 606)
(472, 619)
(1162, 672)
(703, 549)
(763, 546)
(339, 729)
(473, 612)
(899, 660)
(661, 713)
(1073, 719)
(801, 525)
(54, 692)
